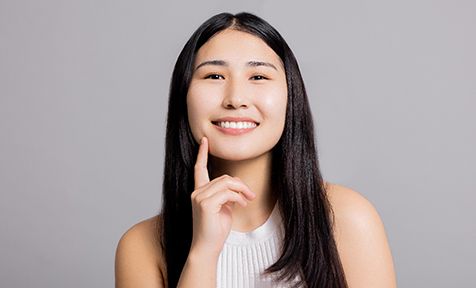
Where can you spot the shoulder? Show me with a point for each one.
(361, 239)
(354, 215)
(349, 205)
(139, 261)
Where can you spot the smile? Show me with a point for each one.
(236, 125)
(235, 128)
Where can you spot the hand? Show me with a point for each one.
(212, 203)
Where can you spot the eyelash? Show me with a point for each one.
(209, 77)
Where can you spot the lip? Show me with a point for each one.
(235, 119)
(234, 131)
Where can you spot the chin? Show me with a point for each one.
(236, 155)
(232, 156)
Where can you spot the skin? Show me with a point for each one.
(240, 175)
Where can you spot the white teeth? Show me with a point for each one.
(237, 125)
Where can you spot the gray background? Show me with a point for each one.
(83, 93)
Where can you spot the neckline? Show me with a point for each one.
(260, 233)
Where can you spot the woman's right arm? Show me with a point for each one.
(212, 203)
(199, 268)
(140, 261)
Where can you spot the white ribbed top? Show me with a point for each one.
(246, 254)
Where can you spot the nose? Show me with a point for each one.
(235, 95)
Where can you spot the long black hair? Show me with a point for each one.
(309, 248)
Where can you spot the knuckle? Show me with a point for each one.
(229, 181)
(194, 194)
(204, 204)
(198, 198)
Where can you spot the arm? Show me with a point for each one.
(199, 268)
(361, 240)
(139, 260)
(212, 203)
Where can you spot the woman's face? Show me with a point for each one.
(237, 96)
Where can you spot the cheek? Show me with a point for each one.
(192, 108)
(200, 104)
(194, 98)
(274, 104)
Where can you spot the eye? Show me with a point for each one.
(214, 76)
(258, 77)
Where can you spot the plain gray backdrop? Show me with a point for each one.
(83, 97)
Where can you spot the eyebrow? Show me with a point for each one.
(224, 63)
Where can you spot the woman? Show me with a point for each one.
(244, 201)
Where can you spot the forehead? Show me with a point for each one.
(236, 46)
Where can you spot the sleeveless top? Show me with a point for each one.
(245, 255)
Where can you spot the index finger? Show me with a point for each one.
(201, 171)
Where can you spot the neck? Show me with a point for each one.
(256, 174)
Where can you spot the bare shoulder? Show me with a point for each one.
(139, 261)
(361, 239)
(350, 205)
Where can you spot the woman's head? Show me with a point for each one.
(237, 75)
(231, 52)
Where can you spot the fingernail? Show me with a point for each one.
(201, 141)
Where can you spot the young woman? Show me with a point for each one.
(244, 202)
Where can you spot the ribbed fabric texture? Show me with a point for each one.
(246, 254)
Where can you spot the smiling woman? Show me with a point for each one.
(240, 131)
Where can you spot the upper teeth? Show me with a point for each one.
(236, 125)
